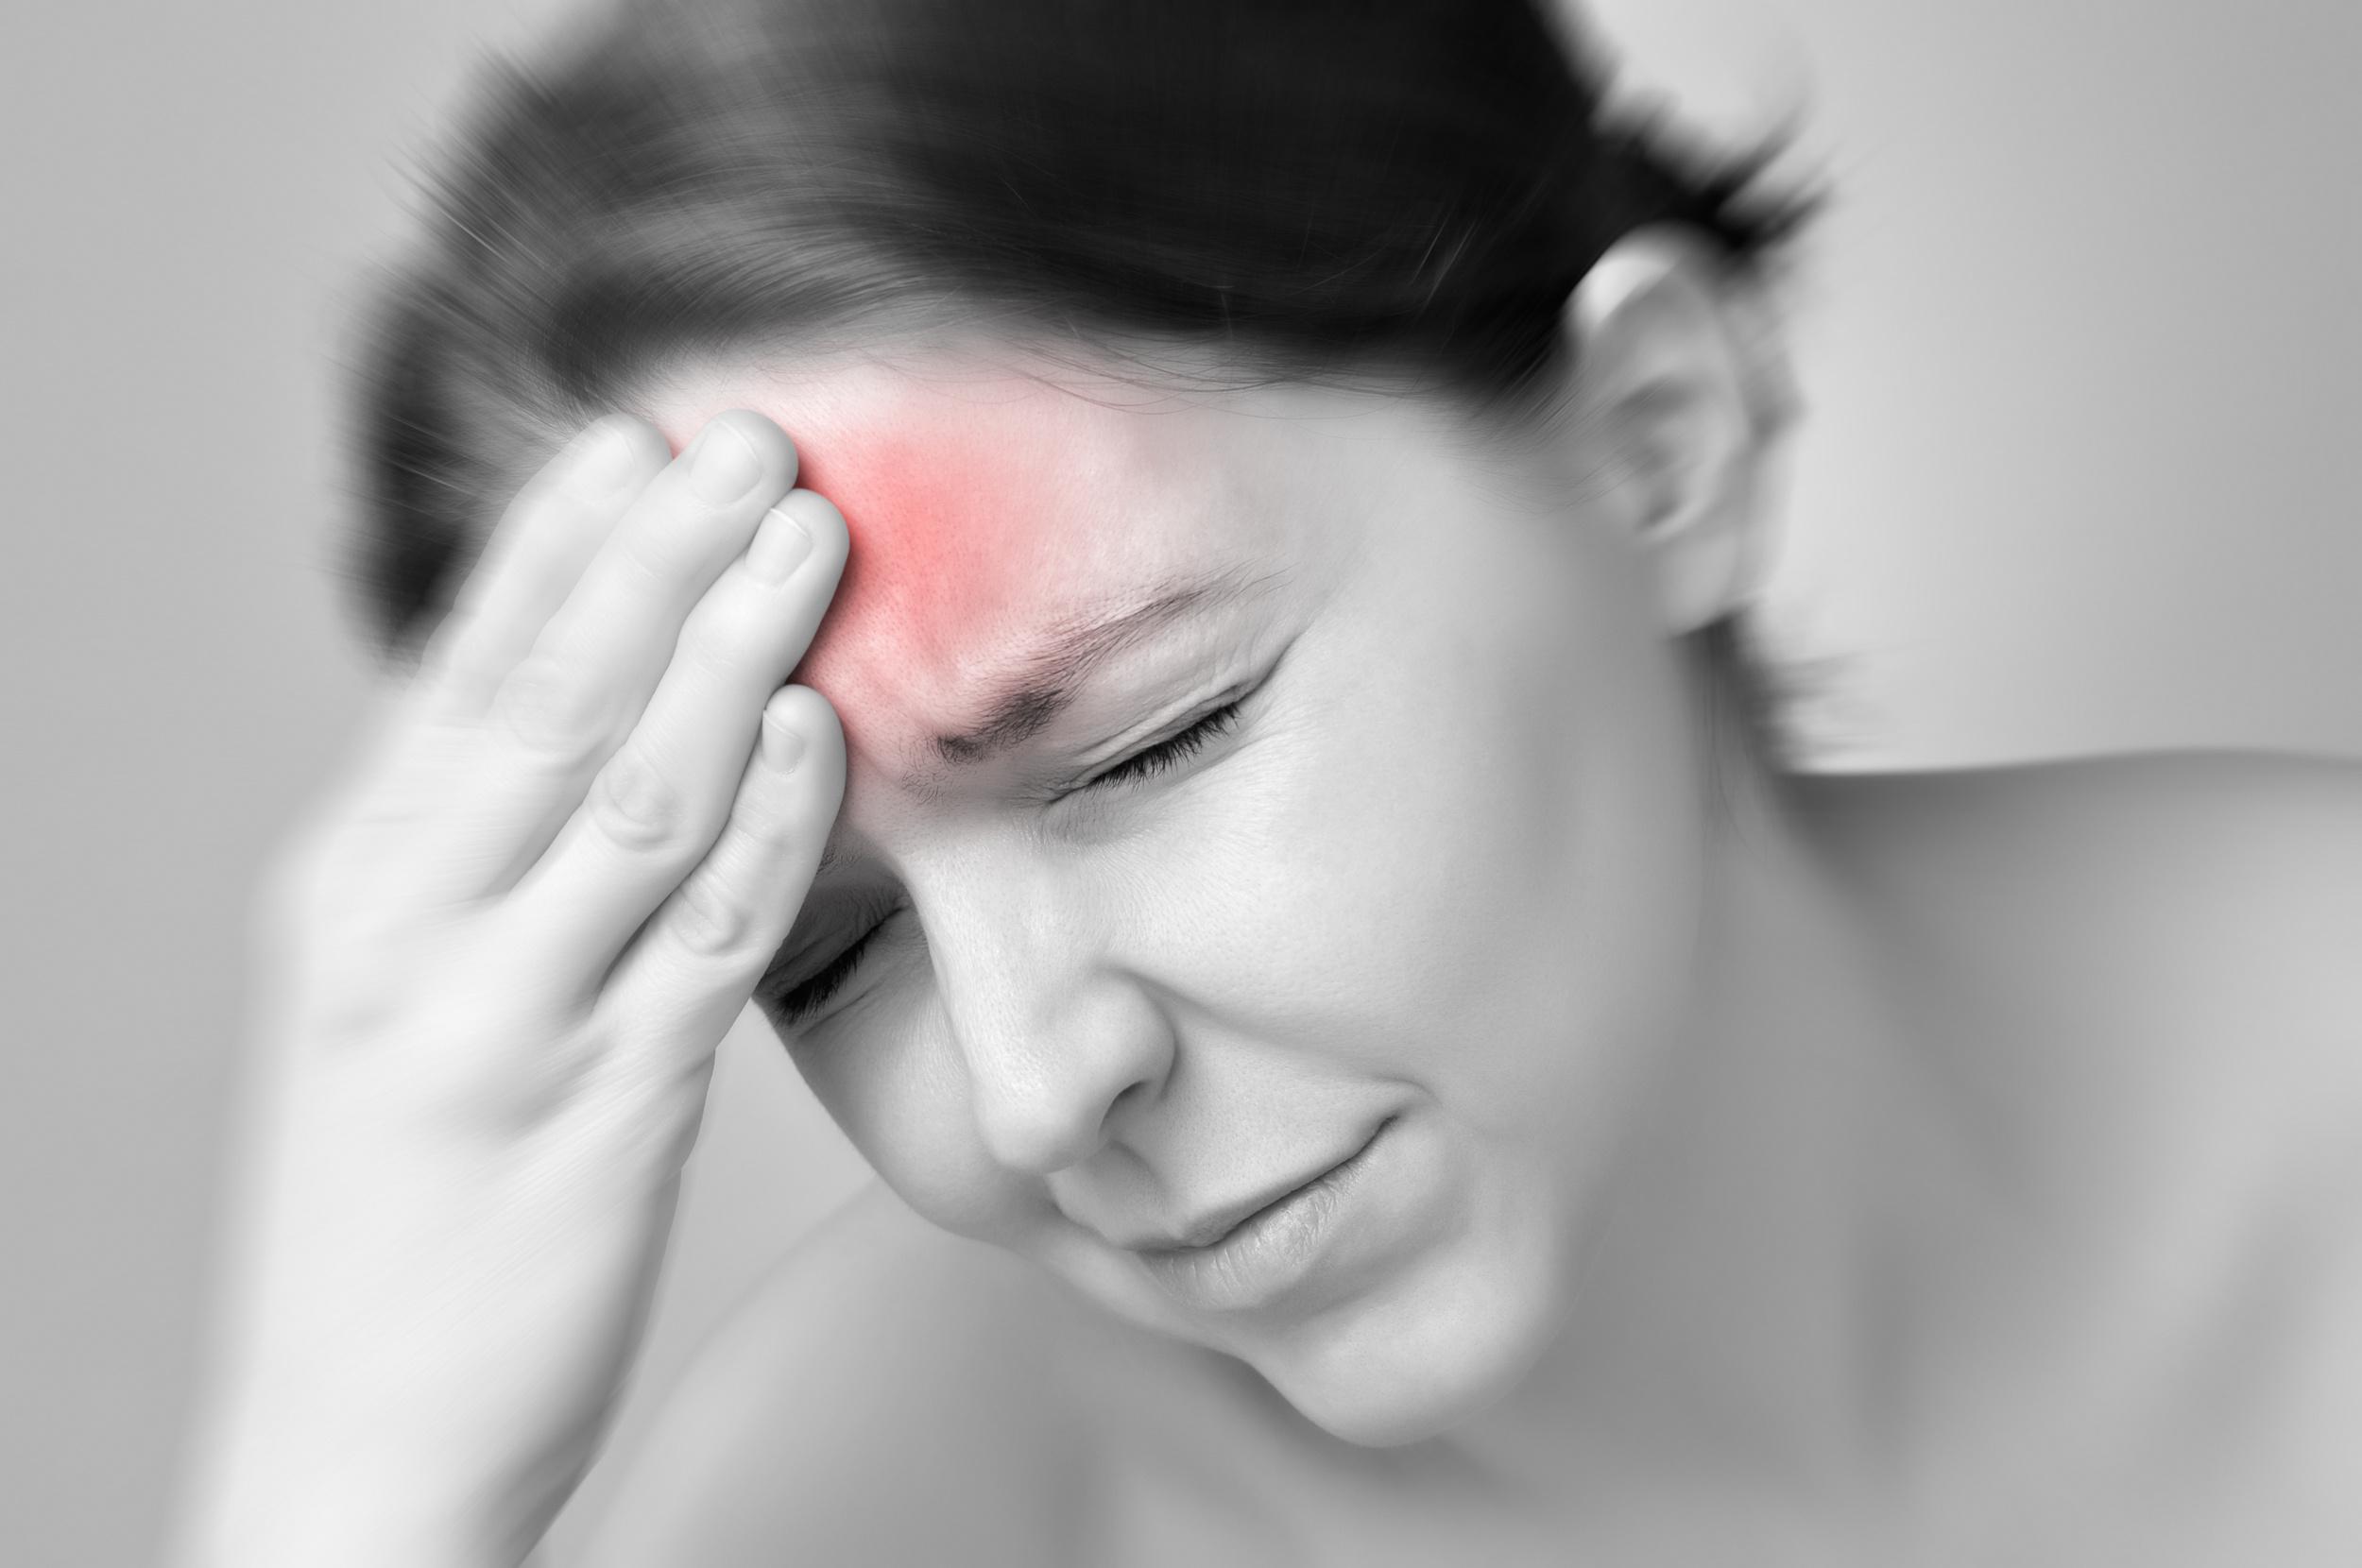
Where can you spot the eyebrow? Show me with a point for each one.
(1028, 693)
(1034, 688)
(1025, 693)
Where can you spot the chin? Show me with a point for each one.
(1405, 1371)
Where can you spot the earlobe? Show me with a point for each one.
(1665, 378)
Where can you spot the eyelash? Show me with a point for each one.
(1168, 753)
(798, 1005)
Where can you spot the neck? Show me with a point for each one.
(1719, 1330)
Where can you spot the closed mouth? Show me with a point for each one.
(1214, 1232)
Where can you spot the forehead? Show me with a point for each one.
(986, 507)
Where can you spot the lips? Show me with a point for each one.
(1210, 1228)
(1303, 1245)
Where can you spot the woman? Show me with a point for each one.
(1275, 829)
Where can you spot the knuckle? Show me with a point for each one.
(552, 713)
(655, 560)
(639, 808)
(713, 647)
(763, 819)
(708, 923)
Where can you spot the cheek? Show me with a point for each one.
(1335, 888)
(1457, 852)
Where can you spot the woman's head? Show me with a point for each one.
(1239, 351)
(1393, 193)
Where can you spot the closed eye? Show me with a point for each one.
(798, 1006)
(1168, 753)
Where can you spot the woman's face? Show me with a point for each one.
(1420, 896)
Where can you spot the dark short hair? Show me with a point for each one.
(1316, 189)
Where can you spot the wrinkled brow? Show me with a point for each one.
(1024, 693)
(1033, 688)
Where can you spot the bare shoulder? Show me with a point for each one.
(2189, 805)
(888, 1395)
(2174, 931)
(2143, 1015)
(2245, 863)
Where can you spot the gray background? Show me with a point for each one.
(2078, 338)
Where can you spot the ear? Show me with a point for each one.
(1678, 377)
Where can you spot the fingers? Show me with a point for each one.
(536, 555)
(565, 706)
(531, 562)
(693, 964)
(659, 801)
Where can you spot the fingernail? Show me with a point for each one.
(726, 466)
(779, 547)
(782, 747)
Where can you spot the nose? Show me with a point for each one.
(1057, 1038)
(1048, 1099)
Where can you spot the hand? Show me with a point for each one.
(493, 973)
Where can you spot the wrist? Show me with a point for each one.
(261, 1500)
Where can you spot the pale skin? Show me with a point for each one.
(1864, 1171)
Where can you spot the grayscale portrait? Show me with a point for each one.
(1090, 783)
